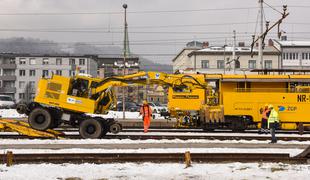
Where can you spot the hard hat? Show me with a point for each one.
(144, 102)
(270, 106)
(266, 105)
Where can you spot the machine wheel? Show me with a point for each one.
(105, 126)
(301, 128)
(21, 108)
(115, 128)
(40, 119)
(91, 129)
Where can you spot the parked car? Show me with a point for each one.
(129, 106)
(157, 107)
(6, 102)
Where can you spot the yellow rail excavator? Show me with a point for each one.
(69, 100)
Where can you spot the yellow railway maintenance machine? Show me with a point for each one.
(67, 100)
(235, 101)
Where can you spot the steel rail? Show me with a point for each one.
(171, 137)
(149, 157)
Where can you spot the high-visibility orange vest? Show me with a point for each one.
(265, 112)
(146, 110)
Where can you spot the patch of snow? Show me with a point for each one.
(291, 152)
(128, 115)
(10, 113)
(154, 171)
(129, 141)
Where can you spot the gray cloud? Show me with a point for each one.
(145, 42)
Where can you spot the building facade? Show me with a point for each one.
(220, 60)
(294, 54)
(28, 69)
(114, 66)
(7, 75)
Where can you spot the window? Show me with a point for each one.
(82, 62)
(291, 56)
(58, 72)
(252, 64)
(32, 72)
(71, 61)
(45, 61)
(31, 85)
(268, 64)
(22, 61)
(296, 56)
(22, 72)
(21, 95)
(71, 73)
(302, 55)
(45, 73)
(220, 64)
(22, 84)
(8, 72)
(205, 64)
(12, 61)
(283, 56)
(82, 71)
(32, 96)
(32, 61)
(58, 61)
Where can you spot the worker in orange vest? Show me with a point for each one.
(265, 115)
(146, 113)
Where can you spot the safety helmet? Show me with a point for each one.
(266, 105)
(144, 102)
(270, 106)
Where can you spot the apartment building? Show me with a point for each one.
(215, 59)
(294, 54)
(21, 72)
(7, 75)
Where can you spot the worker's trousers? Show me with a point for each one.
(273, 132)
(146, 123)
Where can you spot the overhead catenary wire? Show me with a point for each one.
(138, 12)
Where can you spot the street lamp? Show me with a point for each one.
(124, 54)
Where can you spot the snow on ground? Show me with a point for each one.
(291, 152)
(129, 141)
(10, 113)
(152, 171)
(128, 115)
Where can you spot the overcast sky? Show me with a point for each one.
(158, 29)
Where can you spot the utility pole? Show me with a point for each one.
(260, 42)
(234, 51)
(225, 56)
(125, 53)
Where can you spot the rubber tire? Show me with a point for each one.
(40, 126)
(115, 128)
(105, 126)
(91, 122)
(21, 108)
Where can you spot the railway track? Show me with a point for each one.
(172, 137)
(173, 130)
(148, 157)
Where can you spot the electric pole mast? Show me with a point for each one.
(234, 51)
(260, 42)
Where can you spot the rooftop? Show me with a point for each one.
(293, 43)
